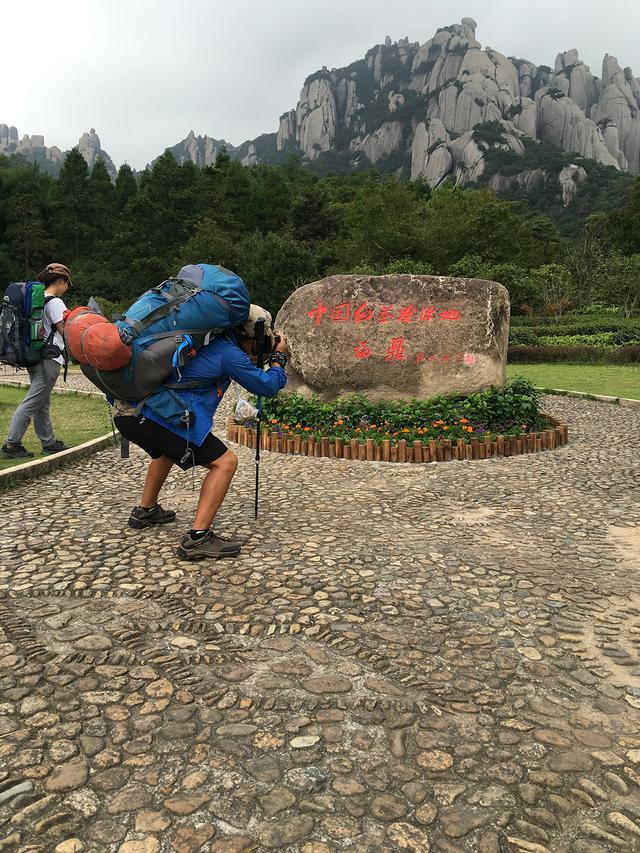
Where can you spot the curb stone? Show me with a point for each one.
(17, 383)
(585, 395)
(37, 467)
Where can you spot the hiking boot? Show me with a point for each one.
(141, 518)
(56, 446)
(15, 451)
(210, 545)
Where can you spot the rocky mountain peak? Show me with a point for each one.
(50, 159)
(438, 110)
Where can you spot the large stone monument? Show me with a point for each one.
(396, 336)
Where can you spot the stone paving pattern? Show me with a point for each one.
(415, 658)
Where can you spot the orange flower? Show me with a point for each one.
(445, 427)
(298, 426)
(274, 420)
(464, 421)
(307, 429)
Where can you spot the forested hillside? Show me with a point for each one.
(281, 226)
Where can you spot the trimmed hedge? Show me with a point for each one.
(574, 355)
(572, 325)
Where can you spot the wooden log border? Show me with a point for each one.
(417, 452)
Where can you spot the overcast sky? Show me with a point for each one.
(145, 72)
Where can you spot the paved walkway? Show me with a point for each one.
(414, 658)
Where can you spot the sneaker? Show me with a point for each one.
(209, 546)
(15, 451)
(141, 518)
(56, 446)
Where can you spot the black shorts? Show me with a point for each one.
(158, 441)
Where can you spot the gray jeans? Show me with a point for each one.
(36, 404)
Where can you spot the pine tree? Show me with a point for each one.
(126, 187)
(70, 207)
(100, 207)
(24, 221)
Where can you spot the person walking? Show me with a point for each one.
(231, 356)
(35, 406)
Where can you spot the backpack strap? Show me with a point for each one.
(176, 293)
(192, 384)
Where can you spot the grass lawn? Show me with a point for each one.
(610, 379)
(76, 419)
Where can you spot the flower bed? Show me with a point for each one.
(495, 422)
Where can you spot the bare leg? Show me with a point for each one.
(156, 475)
(214, 489)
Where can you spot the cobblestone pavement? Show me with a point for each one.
(418, 658)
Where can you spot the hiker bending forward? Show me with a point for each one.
(228, 357)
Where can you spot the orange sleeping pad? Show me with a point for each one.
(91, 339)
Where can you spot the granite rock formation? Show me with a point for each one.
(395, 336)
(420, 110)
(201, 150)
(91, 149)
(51, 158)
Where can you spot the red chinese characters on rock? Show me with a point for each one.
(364, 313)
(395, 350)
(340, 313)
(363, 350)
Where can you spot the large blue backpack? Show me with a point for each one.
(168, 324)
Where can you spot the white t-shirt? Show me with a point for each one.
(53, 313)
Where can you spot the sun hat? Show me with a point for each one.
(59, 269)
(256, 312)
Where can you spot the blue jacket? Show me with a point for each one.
(221, 360)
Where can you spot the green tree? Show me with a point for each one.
(126, 187)
(476, 222)
(70, 207)
(101, 207)
(312, 215)
(209, 244)
(620, 282)
(24, 219)
(384, 222)
(624, 223)
(523, 292)
(586, 256)
(555, 287)
(273, 265)
(154, 225)
(269, 201)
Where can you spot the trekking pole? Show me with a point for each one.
(258, 338)
(124, 442)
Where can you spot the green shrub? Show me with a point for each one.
(508, 411)
(523, 337)
(600, 339)
(574, 355)
(576, 324)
